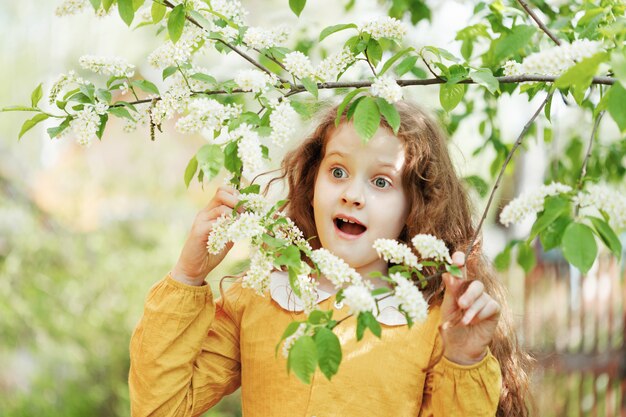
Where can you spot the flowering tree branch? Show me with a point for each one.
(541, 25)
(517, 143)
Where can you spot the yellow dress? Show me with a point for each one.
(187, 352)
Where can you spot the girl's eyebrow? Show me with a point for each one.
(382, 164)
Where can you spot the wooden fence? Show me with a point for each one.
(575, 325)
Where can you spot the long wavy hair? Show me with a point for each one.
(439, 205)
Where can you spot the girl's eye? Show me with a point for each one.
(380, 182)
(338, 172)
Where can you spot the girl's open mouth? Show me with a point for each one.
(349, 227)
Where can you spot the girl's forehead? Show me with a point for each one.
(345, 140)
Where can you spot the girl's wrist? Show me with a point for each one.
(463, 358)
(184, 279)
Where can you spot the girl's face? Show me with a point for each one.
(359, 196)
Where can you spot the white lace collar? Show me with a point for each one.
(284, 296)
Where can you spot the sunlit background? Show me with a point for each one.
(85, 232)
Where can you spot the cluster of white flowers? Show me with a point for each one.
(218, 238)
(387, 88)
(70, 7)
(555, 60)
(530, 203)
(205, 113)
(249, 149)
(61, 82)
(385, 27)
(298, 64)
(307, 287)
(115, 66)
(266, 38)
(330, 68)
(257, 277)
(291, 340)
(283, 121)
(230, 9)
(246, 225)
(410, 298)
(254, 80)
(290, 232)
(171, 54)
(174, 100)
(430, 247)
(101, 107)
(359, 299)
(602, 197)
(256, 203)
(85, 125)
(398, 253)
(334, 268)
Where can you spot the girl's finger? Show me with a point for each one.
(458, 258)
(222, 196)
(474, 290)
(491, 309)
(476, 306)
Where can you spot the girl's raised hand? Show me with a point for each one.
(469, 316)
(195, 263)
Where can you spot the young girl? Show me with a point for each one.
(188, 350)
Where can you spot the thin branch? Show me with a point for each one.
(541, 25)
(583, 171)
(518, 142)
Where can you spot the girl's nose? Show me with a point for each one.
(353, 195)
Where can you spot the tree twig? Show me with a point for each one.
(541, 25)
(583, 171)
(518, 142)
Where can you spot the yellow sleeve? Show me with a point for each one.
(184, 353)
(454, 390)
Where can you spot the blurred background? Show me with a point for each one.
(85, 232)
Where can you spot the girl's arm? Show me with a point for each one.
(184, 352)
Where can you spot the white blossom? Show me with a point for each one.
(385, 27)
(330, 68)
(231, 9)
(334, 268)
(601, 197)
(256, 203)
(291, 340)
(218, 237)
(429, 247)
(530, 203)
(172, 54)
(249, 149)
(101, 107)
(205, 113)
(283, 121)
(554, 60)
(85, 125)
(265, 38)
(61, 82)
(246, 225)
(387, 88)
(70, 7)
(307, 287)
(290, 232)
(396, 252)
(257, 277)
(115, 66)
(359, 299)
(298, 64)
(173, 101)
(410, 298)
(254, 80)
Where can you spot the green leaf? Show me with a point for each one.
(346, 100)
(328, 351)
(503, 259)
(608, 236)
(289, 256)
(390, 113)
(319, 316)
(374, 52)
(53, 132)
(297, 6)
(579, 246)
(210, 159)
(190, 171)
(456, 73)
(477, 183)
(579, 76)
(310, 85)
(406, 65)
(484, 77)
(554, 207)
(104, 118)
(617, 105)
(146, 86)
(372, 323)
(158, 11)
(335, 28)
(510, 43)
(106, 4)
(552, 235)
(291, 329)
(95, 4)
(30, 123)
(231, 159)
(450, 95)
(121, 112)
(393, 59)
(526, 257)
(167, 72)
(454, 270)
(36, 95)
(205, 78)
(303, 358)
(126, 10)
(618, 65)
(366, 118)
(176, 23)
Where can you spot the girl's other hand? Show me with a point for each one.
(195, 263)
(469, 316)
